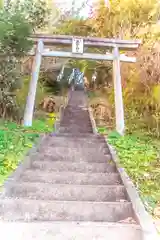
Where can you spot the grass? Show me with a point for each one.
(139, 156)
(15, 141)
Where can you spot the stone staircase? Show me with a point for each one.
(69, 189)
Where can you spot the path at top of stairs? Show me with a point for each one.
(70, 188)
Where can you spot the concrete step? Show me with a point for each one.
(72, 155)
(66, 166)
(78, 122)
(76, 125)
(74, 131)
(81, 112)
(76, 111)
(71, 177)
(71, 106)
(76, 144)
(69, 112)
(72, 115)
(60, 192)
(80, 142)
(81, 119)
(70, 231)
(71, 151)
(82, 136)
(14, 209)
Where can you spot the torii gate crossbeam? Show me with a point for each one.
(114, 44)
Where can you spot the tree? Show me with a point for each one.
(123, 18)
(17, 21)
(14, 44)
(35, 12)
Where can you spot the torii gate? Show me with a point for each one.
(78, 44)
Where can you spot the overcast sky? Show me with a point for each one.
(67, 4)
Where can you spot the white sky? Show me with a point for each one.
(67, 4)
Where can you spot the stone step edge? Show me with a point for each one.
(32, 201)
(63, 185)
(75, 223)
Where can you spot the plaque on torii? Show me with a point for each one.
(77, 46)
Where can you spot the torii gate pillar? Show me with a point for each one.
(28, 115)
(119, 109)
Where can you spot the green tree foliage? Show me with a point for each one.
(13, 45)
(35, 12)
(123, 18)
(17, 22)
(14, 33)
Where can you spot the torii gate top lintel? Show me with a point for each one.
(88, 41)
(84, 42)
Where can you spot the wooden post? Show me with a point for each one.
(120, 126)
(28, 115)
